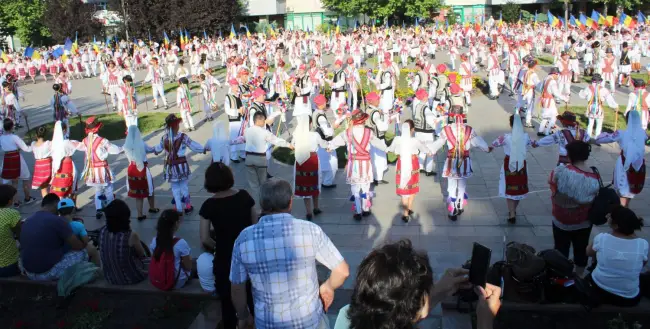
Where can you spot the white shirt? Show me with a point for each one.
(181, 249)
(204, 270)
(10, 142)
(620, 262)
(42, 151)
(256, 139)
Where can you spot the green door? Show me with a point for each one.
(460, 14)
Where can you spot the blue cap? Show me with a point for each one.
(65, 203)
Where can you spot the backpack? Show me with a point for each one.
(162, 271)
(603, 202)
(524, 272)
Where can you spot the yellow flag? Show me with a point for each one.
(4, 57)
(64, 57)
(36, 55)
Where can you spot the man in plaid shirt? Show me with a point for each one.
(278, 255)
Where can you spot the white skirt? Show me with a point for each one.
(502, 188)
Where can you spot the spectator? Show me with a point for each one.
(48, 246)
(168, 224)
(66, 209)
(574, 187)
(289, 295)
(238, 207)
(621, 256)
(205, 271)
(9, 227)
(394, 289)
(124, 256)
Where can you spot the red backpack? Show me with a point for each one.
(162, 271)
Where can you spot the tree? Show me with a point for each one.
(626, 4)
(69, 18)
(155, 17)
(510, 12)
(24, 18)
(382, 8)
(421, 8)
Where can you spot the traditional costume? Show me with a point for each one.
(156, 75)
(378, 122)
(562, 137)
(513, 180)
(233, 106)
(97, 172)
(630, 169)
(547, 101)
(304, 87)
(328, 160)
(358, 139)
(307, 172)
(62, 107)
(139, 182)
(459, 138)
(407, 175)
(219, 144)
(639, 100)
(127, 98)
(64, 180)
(424, 120)
(595, 95)
(42, 166)
(176, 170)
(14, 166)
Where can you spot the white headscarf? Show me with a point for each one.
(134, 147)
(517, 144)
(58, 146)
(405, 155)
(301, 139)
(634, 141)
(220, 138)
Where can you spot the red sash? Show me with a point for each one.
(95, 162)
(138, 183)
(360, 147)
(608, 65)
(635, 179)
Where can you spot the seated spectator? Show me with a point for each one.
(288, 296)
(204, 269)
(66, 209)
(574, 187)
(229, 211)
(394, 289)
(124, 257)
(621, 256)
(165, 240)
(9, 227)
(48, 246)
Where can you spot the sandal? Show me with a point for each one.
(141, 218)
(154, 210)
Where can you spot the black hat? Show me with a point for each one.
(597, 78)
(554, 70)
(638, 83)
(595, 44)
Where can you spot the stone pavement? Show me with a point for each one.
(447, 243)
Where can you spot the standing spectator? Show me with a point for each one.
(283, 275)
(574, 187)
(229, 211)
(9, 227)
(621, 256)
(48, 245)
(166, 241)
(122, 253)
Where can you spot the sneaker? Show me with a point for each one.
(365, 213)
(189, 210)
(16, 204)
(99, 214)
(317, 212)
(357, 217)
(310, 217)
(406, 219)
(30, 200)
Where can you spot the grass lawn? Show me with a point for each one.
(113, 128)
(286, 155)
(545, 60)
(643, 76)
(608, 122)
(171, 86)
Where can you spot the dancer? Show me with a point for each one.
(177, 170)
(139, 181)
(14, 167)
(234, 108)
(513, 180)
(111, 80)
(219, 144)
(562, 137)
(630, 169)
(378, 122)
(459, 138)
(328, 160)
(547, 101)
(97, 172)
(358, 140)
(156, 75)
(639, 100)
(43, 165)
(307, 172)
(184, 101)
(596, 95)
(64, 181)
(407, 174)
(424, 121)
(128, 102)
(61, 105)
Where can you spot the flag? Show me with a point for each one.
(447, 26)
(436, 25)
(37, 54)
(233, 34)
(552, 20)
(356, 25)
(535, 23)
(187, 38)
(29, 51)
(4, 56)
(272, 31)
(519, 21)
(417, 26)
(611, 21)
(562, 22)
(75, 45)
(182, 40)
(248, 33)
(67, 45)
(220, 34)
(500, 18)
(338, 26)
(626, 20)
(205, 35)
(56, 53)
(577, 23)
(166, 37)
(640, 17)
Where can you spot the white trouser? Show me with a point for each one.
(379, 162)
(87, 70)
(170, 70)
(352, 99)
(453, 62)
(112, 91)
(468, 98)
(493, 83)
(329, 163)
(187, 119)
(564, 87)
(456, 192)
(158, 90)
(426, 162)
(362, 194)
(404, 58)
(599, 127)
(529, 102)
(131, 120)
(103, 195)
(612, 84)
(181, 194)
(93, 67)
(206, 109)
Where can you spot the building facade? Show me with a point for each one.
(473, 10)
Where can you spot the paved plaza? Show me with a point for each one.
(447, 243)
